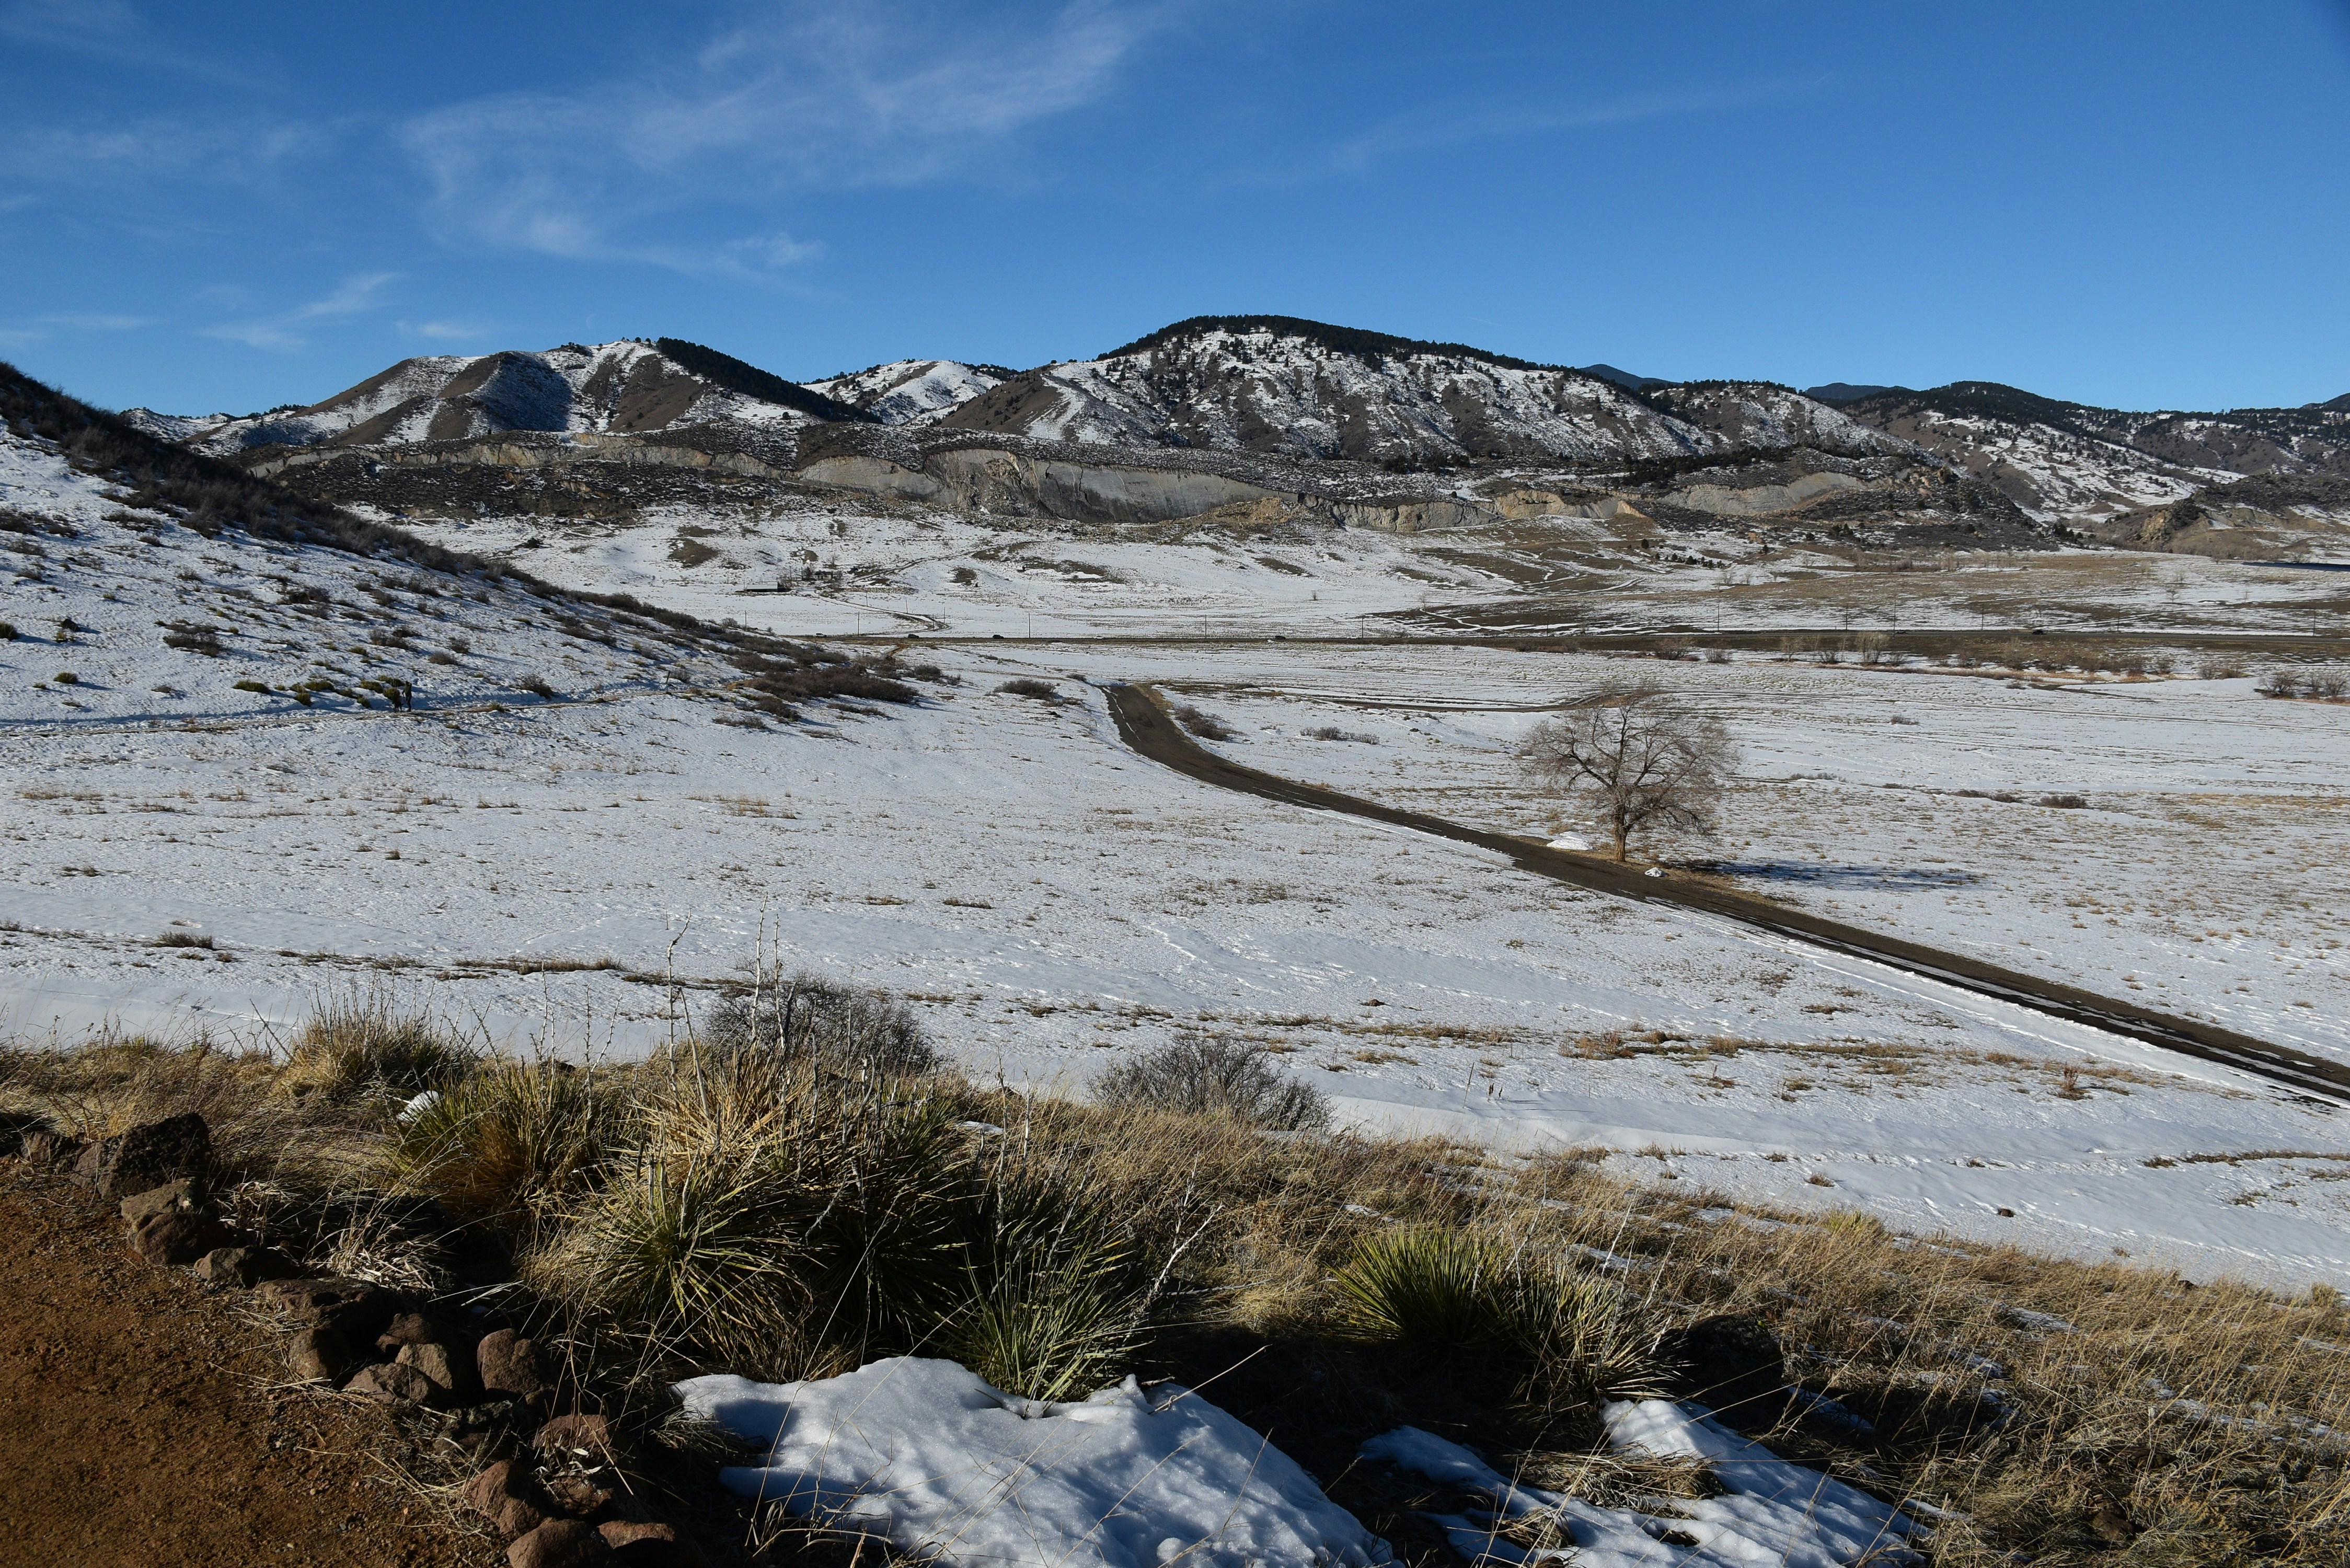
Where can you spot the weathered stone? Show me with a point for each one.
(561, 1543)
(649, 1545)
(242, 1267)
(318, 1355)
(452, 1371)
(407, 1328)
(510, 1498)
(139, 1206)
(354, 1306)
(509, 1364)
(148, 1155)
(584, 1440)
(178, 1236)
(389, 1383)
(582, 1494)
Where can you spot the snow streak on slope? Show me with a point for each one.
(1259, 389)
(622, 386)
(913, 392)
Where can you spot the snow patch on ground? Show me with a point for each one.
(941, 1464)
(1770, 1510)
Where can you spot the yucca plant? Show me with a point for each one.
(504, 1145)
(1051, 1302)
(1572, 1336)
(697, 1257)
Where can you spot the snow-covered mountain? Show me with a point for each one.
(626, 386)
(913, 392)
(1300, 389)
(2070, 461)
(1283, 389)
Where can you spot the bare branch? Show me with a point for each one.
(1636, 759)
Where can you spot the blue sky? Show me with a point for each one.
(232, 207)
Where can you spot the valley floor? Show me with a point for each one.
(187, 846)
(1052, 901)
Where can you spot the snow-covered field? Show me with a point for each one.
(1051, 900)
(908, 570)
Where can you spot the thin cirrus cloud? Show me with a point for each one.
(283, 332)
(821, 97)
(448, 331)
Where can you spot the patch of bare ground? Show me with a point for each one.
(145, 1423)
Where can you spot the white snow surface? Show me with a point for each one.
(909, 391)
(1770, 1512)
(944, 1466)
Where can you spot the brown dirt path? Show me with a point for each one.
(1145, 725)
(136, 1428)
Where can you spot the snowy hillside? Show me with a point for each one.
(2067, 461)
(913, 392)
(1304, 390)
(618, 387)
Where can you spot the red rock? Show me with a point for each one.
(650, 1546)
(318, 1355)
(389, 1383)
(243, 1266)
(141, 1207)
(510, 1364)
(561, 1543)
(148, 1155)
(511, 1499)
(582, 1494)
(407, 1328)
(452, 1372)
(356, 1307)
(178, 1236)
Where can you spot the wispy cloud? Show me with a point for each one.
(100, 323)
(283, 331)
(448, 331)
(113, 30)
(815, 97)
(1445, 124)
(20, 337)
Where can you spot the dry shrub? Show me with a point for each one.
(1216, 1075)
(1202, 724)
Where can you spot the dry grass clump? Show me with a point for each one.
(361, 1041)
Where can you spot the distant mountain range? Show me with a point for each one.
(1302, 392)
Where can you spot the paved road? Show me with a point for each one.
(1144, 724)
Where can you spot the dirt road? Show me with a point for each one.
(1145, 725)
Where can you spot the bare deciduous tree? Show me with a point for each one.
(1642, 759)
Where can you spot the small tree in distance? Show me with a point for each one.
(1640, 759)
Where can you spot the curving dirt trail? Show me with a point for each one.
(1144, 724)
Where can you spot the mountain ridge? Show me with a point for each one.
(1296, 389)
